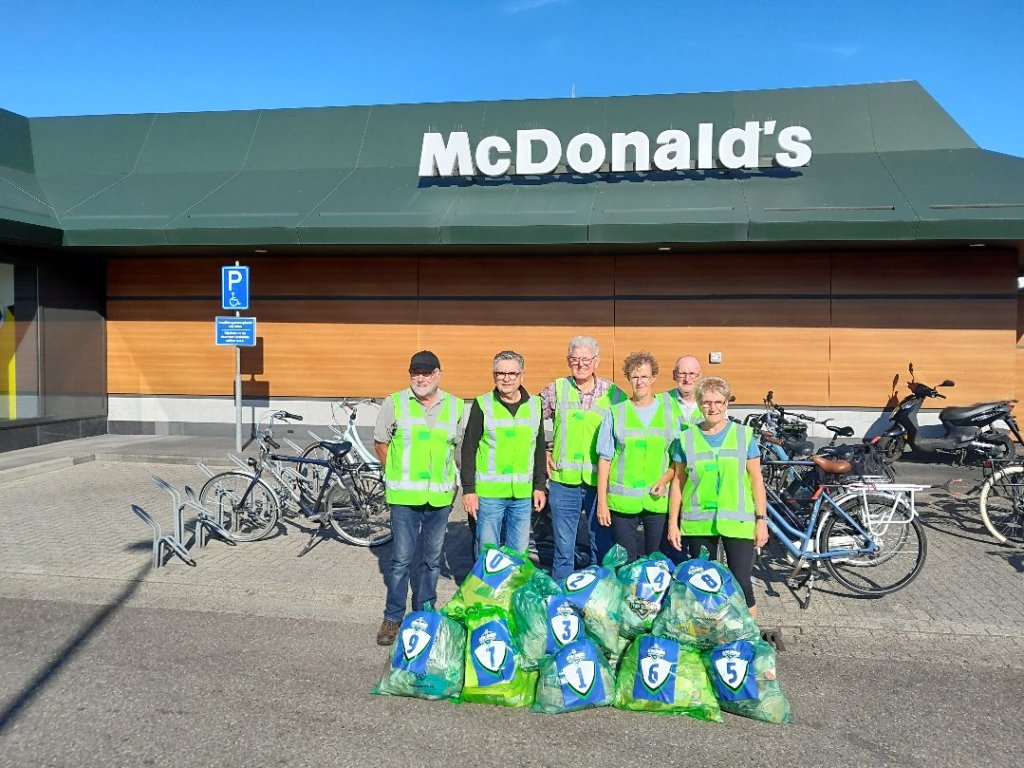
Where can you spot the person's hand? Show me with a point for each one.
(471, 503)
(604, 517)
(552, 467)
(674, 537)
(761, 533)
(539, 500)
(658, 489)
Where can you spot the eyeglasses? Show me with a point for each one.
(583, 362)
(422, 374)
(687, 375)
(713, 403)
(641, 379)
(507, 375)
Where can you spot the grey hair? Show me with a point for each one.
(588, 342)
(714, 384)
(508, 354)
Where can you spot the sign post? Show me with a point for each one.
(236, 331)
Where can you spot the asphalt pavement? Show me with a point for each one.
(258, 657)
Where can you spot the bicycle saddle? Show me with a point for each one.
(832, 466)
(338, 450)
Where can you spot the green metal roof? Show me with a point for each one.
(888, 164)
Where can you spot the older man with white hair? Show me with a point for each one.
(577, 405)
(686, 374)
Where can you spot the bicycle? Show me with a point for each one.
(252, 508)
(1002, 504)
(867, 538)
(364, 462)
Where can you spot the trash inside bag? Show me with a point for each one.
(644, 584)
(658, 674)
(494, 671)
(745, 680)
(705, 608)
(577, 677)
(426, 659)
(545, 619)
(494, 578)
(595, 590)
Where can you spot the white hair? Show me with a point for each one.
(584, 342)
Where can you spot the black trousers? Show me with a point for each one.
(625, 532)
(739, 556)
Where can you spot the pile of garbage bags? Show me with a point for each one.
(642, 636)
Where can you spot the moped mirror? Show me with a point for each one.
(948, 383)
(911, 369)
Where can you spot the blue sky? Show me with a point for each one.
(66, 58)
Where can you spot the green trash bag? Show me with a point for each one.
(705, 608)
(496, 575)
(658, 674)
(743, 674)
(644, 585)
(531, 609)
(577, 677)
(494, 671)
(596, 592)
(426, 658)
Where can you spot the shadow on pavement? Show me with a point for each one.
(68, 652)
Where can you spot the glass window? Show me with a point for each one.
(19, 343)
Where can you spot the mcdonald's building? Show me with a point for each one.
(810, 241)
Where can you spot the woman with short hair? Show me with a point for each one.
(717, 494)
(634, 465)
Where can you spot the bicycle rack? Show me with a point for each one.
(205, 522)
(240, 463)
(293, 445)
(175, 542)
(205, 469)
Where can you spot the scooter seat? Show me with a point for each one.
(798, 449)
(956, 414)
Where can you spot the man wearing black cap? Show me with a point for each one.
(415, 437)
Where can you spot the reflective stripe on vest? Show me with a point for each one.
(641, 456)
(575, 446)
(717, 496)
(421, 460)
(505, 456)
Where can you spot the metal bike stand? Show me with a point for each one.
(205, 522)
(205, 469)
(175, 543)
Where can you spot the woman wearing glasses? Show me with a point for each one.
(634, 468)
(718, 491)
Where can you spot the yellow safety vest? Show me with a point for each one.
(575, 446)
(420, 465)
(505, 456)
(643, 458)
(718, 499)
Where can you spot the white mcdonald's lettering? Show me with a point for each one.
(539, 151)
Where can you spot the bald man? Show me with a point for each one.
(686, 374)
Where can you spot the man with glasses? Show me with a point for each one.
(504, 467)
(415, 437)
(687, 375)
(577, 405)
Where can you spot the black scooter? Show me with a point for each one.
(969, 437)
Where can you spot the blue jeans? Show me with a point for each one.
(513, 513)
(422, 524)
(566, 502)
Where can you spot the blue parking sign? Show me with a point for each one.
(235, 331)
(234, 287)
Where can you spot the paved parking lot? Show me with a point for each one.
(258, 657)
(72, 529)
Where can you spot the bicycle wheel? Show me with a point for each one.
(314, 472)
(222, 495)
(884, 516)
(1002, 505)
(893, 448)
(358, 507)
(896, 563)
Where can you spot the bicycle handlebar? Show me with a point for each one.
(287, 415)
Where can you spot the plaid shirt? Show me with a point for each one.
(587, 399)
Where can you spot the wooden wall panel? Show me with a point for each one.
(792, 360)
(566, 276)
(269, 276)
(147, 355)
(466, 335)
(971, 342)
(717, 274)
(980, 271)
